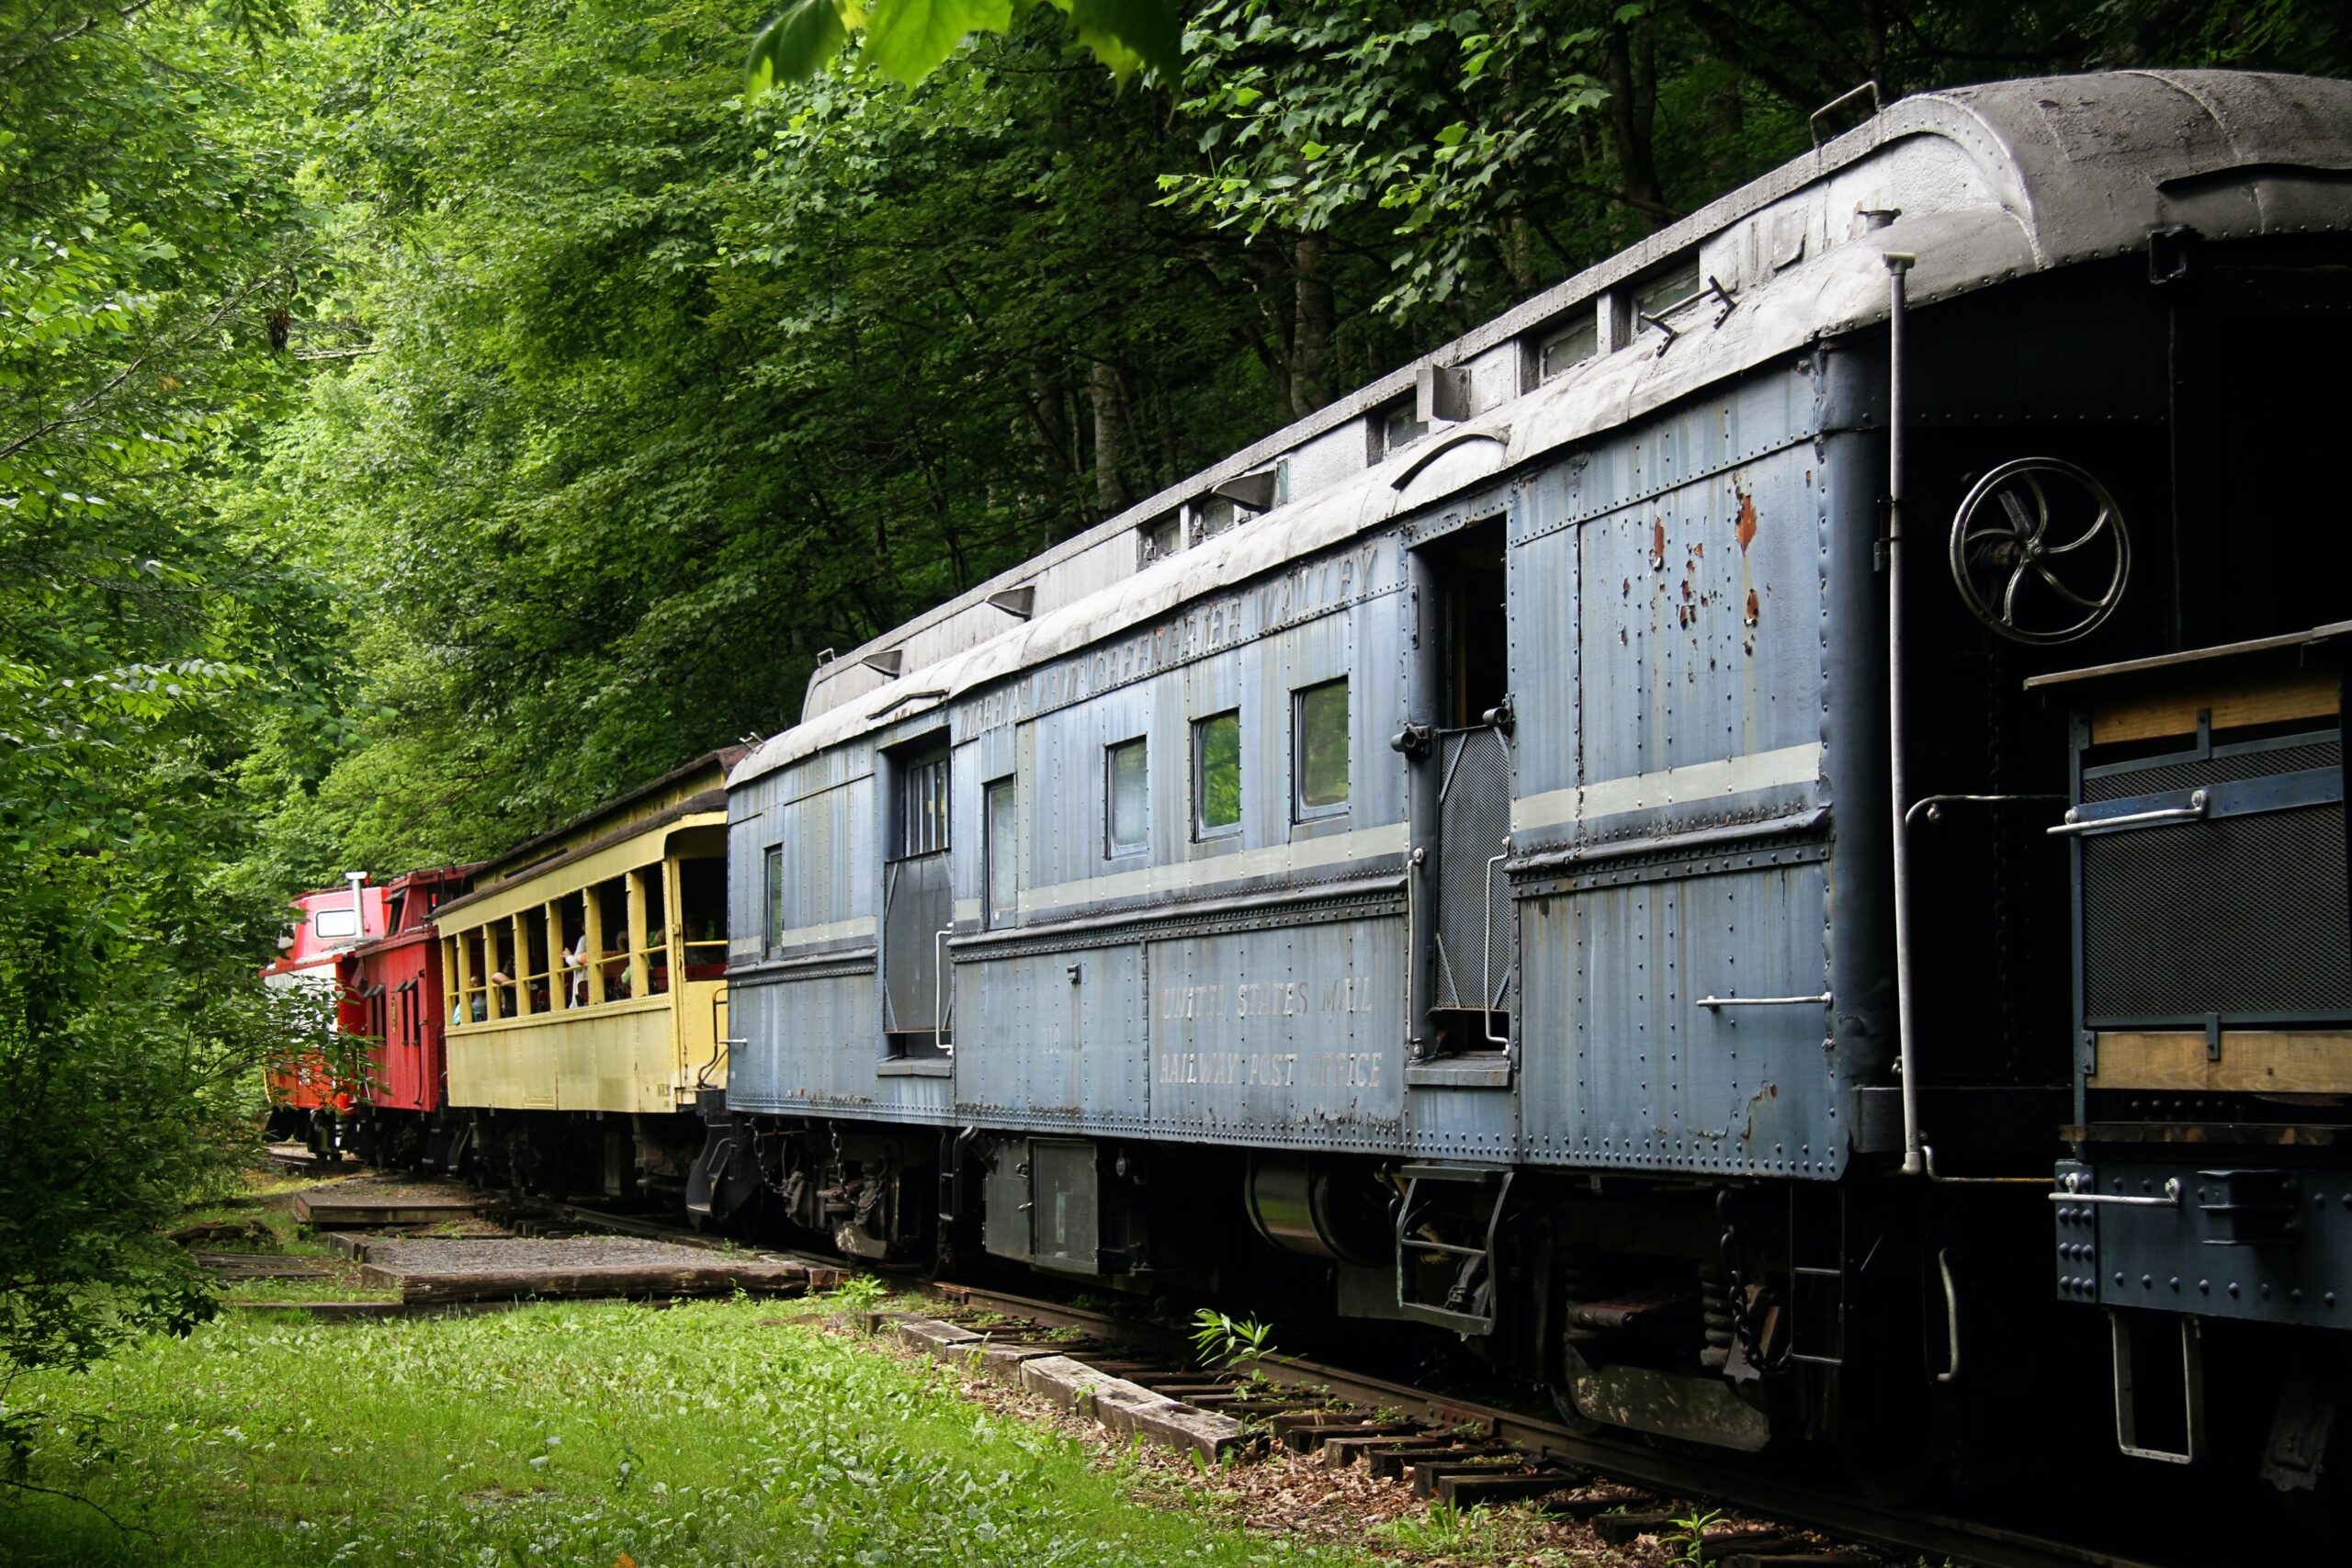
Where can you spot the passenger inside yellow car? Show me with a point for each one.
(616, 968)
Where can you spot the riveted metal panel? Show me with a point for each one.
(1703, 601)
(1053, 1039)
(809, 1044)
(1624, 1067)
(1545, 670)
(2192, 1255)
(1289, 1036)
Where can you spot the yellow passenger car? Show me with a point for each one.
(584, 982)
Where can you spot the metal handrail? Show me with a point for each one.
(939, 991)
(1487, 958)
(1413, 863)
(2192, 812)
(2069, 1191)
(1824, 999)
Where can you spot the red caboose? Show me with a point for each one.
(307, 1087)
(390, 995)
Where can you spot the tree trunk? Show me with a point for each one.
(1632, 115)
(1110, 435)
(1310, 354)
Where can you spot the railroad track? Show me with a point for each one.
(1478, 1435)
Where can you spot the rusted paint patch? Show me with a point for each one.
(1754, 606)
(1745, 532)
(1657, 544)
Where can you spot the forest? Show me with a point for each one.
(418, 422)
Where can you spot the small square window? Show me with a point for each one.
(1653, 294)
(1158, 539)
(1003, 851)
(1212, 515)
(1570, 345)
(1398, 426)
(1127, 784)
(1320, 731)
(772, 870)
(1216, 775)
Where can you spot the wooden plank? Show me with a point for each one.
(2286, 643)
(2237, 701)
(2253, 1061)
(1466, 1490)
(485, 1284)
(328, 1207)
(2257, 1134)
(1620, 1530)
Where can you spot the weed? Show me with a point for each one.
(860, 1292)
(1690, 1540)
(1222, 1340)
(1447, 1529)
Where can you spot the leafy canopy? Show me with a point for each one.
(908, 40)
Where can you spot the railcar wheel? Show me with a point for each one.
(1563, 1395)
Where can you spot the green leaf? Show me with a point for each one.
(907, 40)
(801, 41)
(1127, 34)
(1453, 134)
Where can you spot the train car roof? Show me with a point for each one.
(649, 805)
(1982, 185)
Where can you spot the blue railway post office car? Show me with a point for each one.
(1691, 838)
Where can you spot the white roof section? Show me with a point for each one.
(1984, 185)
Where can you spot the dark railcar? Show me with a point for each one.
(1614, 840)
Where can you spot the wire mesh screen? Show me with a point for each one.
(1473, 817)
(2199, 772)
(917, 902)
(2237, 915)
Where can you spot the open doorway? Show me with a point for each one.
(1471, 961)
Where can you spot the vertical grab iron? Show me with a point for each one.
(1898, 265)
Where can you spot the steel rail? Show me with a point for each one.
(1776, 1497)
(1794, 1503)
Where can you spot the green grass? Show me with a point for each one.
(722, 1432)
(251, 1202)
(344, 1285)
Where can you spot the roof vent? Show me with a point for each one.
(886, 662)
(1255, 491)
(1019, 602)
(1441, 393)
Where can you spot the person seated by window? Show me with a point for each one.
(575, 964)
(617, 969)
(504, 983)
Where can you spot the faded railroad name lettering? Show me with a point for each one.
(1280, 1069)
(1266, 998)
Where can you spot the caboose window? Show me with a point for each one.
(771, 874)
(1320, 730)
(923, 803)
(1217, 775)
(1127, 770)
